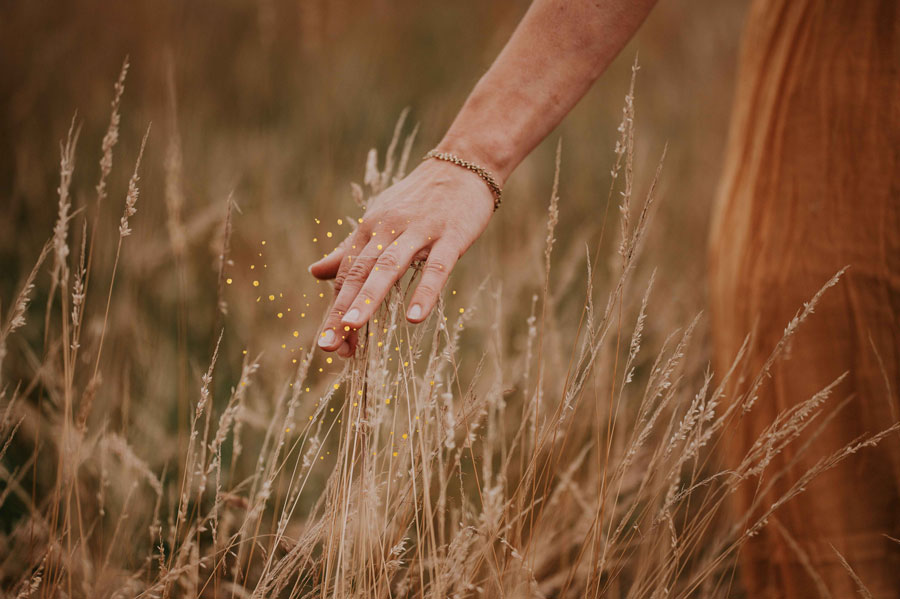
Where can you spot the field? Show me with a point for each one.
(168, 428)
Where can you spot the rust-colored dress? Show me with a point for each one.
(811, 183)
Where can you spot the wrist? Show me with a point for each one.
(486, 176)
(476, 153)
(479, 136)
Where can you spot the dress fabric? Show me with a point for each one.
(811, 183)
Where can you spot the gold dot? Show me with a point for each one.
(340, 221)
(252, 266)
(315, 239)
(395, 454)
(271, 298)
(336, 385)
(388, 401)
(379, 246)
(244, 352)
(404, 434)
(294, 361)
(280, 315)
(228, 280)
(454, 292)
(256, 283)
(328, 234)
(284, 346)
(461, 310)
(360, 220)
(296, 333)
(321, 295)
(317, 221)
(303, 315)
(368, 301)
(329, 360)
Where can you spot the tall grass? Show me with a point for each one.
(575, 462)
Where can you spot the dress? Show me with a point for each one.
(810, 184)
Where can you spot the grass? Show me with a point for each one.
(571, 456)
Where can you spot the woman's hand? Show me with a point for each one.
(435, 214)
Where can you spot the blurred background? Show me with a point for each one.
(276, 104)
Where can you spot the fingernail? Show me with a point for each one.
(327, 338)
(352, 316)
(415, 312)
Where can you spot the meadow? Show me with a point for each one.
(170, 430)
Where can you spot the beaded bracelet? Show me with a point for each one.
(485, 174)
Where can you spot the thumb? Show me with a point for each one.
(327, 267)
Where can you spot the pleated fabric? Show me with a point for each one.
(811, 184)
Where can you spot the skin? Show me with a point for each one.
(438, 211)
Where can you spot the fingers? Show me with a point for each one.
(348, 347)
(390, 266)
(350, 278)
(327, 267)
(437, 269)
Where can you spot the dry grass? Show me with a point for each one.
(450, 459)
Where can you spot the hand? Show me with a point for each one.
(434, 214)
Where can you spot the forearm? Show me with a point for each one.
(556, 53)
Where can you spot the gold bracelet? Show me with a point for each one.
(485, 174)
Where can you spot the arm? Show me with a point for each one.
(556, 53)
(559, 49)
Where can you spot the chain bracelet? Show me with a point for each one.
(482, 172)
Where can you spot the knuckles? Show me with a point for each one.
(357, 272)
(426, 290)
(388, 261)
(436, 266)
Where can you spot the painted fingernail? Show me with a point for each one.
(415, 312)
(352, 316)
(327, 338)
